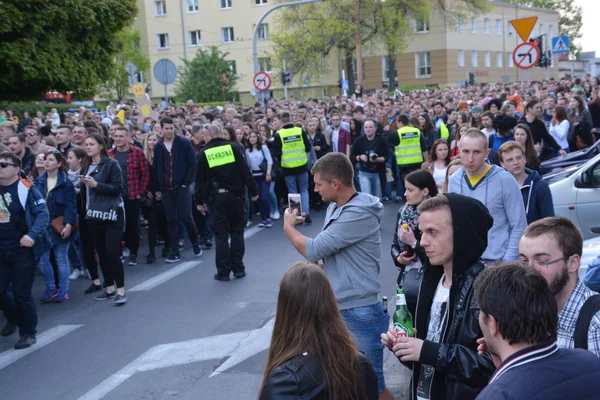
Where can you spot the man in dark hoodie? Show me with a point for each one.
(443, 355)
(537, 196)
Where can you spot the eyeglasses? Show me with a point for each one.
(543, 264)
(5, 164)
(31, 133)
(475, 311)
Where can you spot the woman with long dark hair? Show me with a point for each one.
(256, 154)
(523, 136)
(559, 128)
(312, 355)
(267, 138)
(104, 215)
(428, 130)
(580, 133)
(439, 158)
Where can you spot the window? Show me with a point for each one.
(511, 29)
(195, 38)
(232, 66)
(499, 60)
(487, 58)
(227, 35)
(486, 26)
(423, 64)
(459, 23)
(225, 4)
(386, 68)
(162, 40)
(498, 27)
(160, 8)
(461, 58)
(541, 28)
(192, 6)
(422, 25)
(260, 2)
(263, 32)
(264, 64)
(473, 25)
(474, 60)
(511, 62)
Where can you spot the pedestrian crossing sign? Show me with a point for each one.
(560, 45)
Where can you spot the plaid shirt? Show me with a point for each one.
(138, 172)
(568, 318)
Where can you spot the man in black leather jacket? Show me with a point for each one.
(443, 356)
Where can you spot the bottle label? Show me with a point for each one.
(401, 331)
(400, 300)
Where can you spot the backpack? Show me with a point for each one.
(587, 312)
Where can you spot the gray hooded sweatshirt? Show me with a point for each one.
(350, 247)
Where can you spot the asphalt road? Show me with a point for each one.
(182, 335)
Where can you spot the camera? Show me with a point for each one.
(372, 156)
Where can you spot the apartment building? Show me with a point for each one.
(441, 51)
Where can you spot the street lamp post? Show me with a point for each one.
(260, 20)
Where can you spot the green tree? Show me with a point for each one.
(570, 22)
(117, 85)
(63, 45)
(209, 76)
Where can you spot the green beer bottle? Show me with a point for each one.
(402, 317)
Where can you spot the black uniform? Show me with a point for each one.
(222, 176)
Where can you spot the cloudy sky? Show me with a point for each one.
(591, 27)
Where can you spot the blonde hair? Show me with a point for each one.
(148, 152)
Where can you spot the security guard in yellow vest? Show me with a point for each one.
(291, 146)
(222, 177)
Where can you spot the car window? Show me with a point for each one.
(596, 175)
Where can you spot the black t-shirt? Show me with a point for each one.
(121, 158)
(12, 217)
(364, 146)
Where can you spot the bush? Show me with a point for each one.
(19, 108)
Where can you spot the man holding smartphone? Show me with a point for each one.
(349, 247)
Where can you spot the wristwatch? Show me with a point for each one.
(414, 245)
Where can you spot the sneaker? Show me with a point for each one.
(93, 288)
(8, 329)
(25, 342)
(132, 259)
(75, 274)
(197, 249)
(160, 241)
(151, 258)
(239, 274)
(120, 300)
(106, 296)
(385, 199)
(307, 220)
(221, 277)
(173, 258)
(126, 252)
(268, 223)
(208, 244)
(262, 224)
(249, 223)
(275, 215)
(49, 295)
(62, 297)
(181, 245)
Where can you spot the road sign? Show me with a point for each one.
(345, 85)
(262, 81)
(524, 26)
(560, 45)
(526, 55)
(165, 71)
(130, 68)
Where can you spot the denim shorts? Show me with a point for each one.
(366, 325)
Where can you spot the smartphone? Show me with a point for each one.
(295, 203)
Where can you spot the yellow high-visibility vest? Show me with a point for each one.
(444, 132)
(409, 150)
(293, 149)
(219, 155)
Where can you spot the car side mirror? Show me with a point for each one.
(581, 181)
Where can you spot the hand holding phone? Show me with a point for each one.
(295, 203)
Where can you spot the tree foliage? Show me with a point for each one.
(128, 50)
(207, 77)
(63, 45)
(570, 22)
(313, 31)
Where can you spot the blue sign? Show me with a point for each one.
(345, 85)
(560, 45)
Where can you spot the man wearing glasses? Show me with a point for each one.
(553, 246)
(22, 211)
(32, 139)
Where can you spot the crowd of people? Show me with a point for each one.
(463, 163)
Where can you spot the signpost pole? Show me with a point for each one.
(165, 76)
(285, 88)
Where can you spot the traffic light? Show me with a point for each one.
(286, 77)
(471, 78)
(539, 43)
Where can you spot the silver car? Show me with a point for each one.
(590, 258)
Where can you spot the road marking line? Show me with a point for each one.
(252, 231)
(165, 276)
(43, 339)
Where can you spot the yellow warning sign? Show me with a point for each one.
(524, 26)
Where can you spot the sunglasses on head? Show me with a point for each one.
(5, 164)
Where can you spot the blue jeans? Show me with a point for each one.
(387, 190)
(74, 253)
(299, 184)
(366, 325)
(399, 183)
(273, 204)
(370, 183)
(61, 251)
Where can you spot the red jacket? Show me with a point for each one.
(138, 173)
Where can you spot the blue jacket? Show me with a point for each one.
(537, 197)
(61, 201)
(36, 217)
(184, 172)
